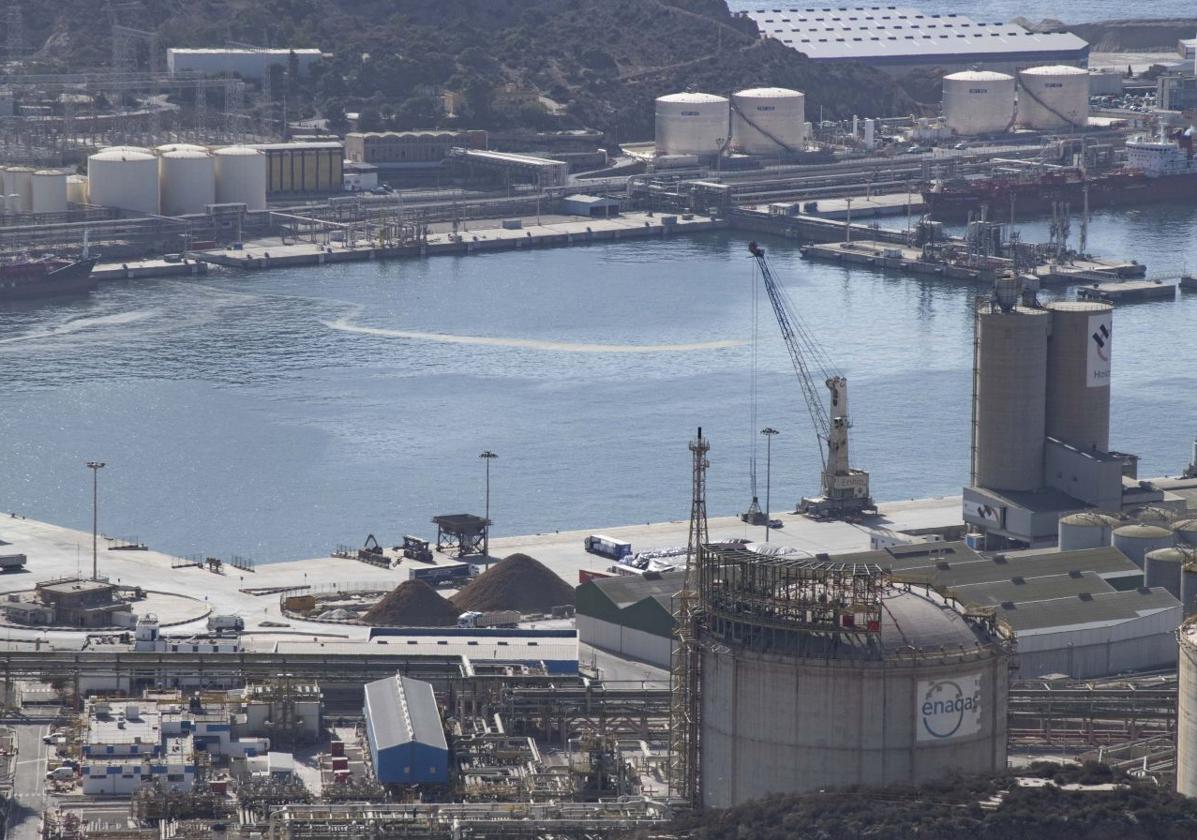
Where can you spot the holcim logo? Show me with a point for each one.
(946, 707)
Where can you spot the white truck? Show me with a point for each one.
(498, 618)
(217, 623)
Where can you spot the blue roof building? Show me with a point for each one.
(405, 733)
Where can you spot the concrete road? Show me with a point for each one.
(29, 785)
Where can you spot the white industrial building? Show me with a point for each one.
(631, 615)
(900, 38)
(248, 63)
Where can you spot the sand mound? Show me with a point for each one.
(517, 582)
(412, 603)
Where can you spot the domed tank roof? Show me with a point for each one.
(979, 76)
(180, 147)
(1091, 518)
(768, 93)
(1148, 532)
(187, 154)
(691, 98)
(1054, 70)
(121, 154)
(1172, 555)
(238, 151)
(125, 149)
(1185, 524)
(913, 621)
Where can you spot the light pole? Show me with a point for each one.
(768, 432)
(487, 456)
(95, 467)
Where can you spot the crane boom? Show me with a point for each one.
(845, 491)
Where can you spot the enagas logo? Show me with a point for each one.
(950, 708)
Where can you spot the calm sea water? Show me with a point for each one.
(1070, 11)
(278, 414)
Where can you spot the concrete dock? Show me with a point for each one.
(1129, 291)
(275, 253)
(134, 269)
(868, 206)
(889, 256)
(184, 597)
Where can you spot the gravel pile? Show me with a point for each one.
(413, 603)
(517, 582)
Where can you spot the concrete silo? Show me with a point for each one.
(1053, 97)
(186, 181)
(76, 189)
(1135, 541)
(1088, 529)
(978, 102)
(241, 176)
(1008, 413)
(886, 685)
(1078, 374)
(692, 124)
(1164, 567)
(1186, 717)
(123, 179)
(49, 191)
(768, 121)
(1188, 587)
(1186, 531)
(18, 180)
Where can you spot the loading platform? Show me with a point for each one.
(1129, 291)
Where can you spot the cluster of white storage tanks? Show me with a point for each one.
(984, 102)
(758, 121)
(174, 179)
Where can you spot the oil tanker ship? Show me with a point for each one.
(1155, 170)
(31, 279)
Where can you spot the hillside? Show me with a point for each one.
(591, 62)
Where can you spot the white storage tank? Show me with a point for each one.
(18, 180)
(691, 124)
(1164, 567)
(179, 147)
(1186, 531)
(978, 102)
(49, 191)
(76, 189)
(768, 121)
(1135, 541)
(186, 181)
(1053, 97)
(123, 179)
(241, 176)
(1088, 529)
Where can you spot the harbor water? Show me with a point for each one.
(274, 415)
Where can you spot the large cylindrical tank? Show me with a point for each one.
(1186, 531)
(1053, 97)
(691, 124)
(49, 189)
(1186, 717)
(241, 176)
(77, 189)
(1151, 515)
(768, 121)
(186, 181)
(1188, 588)
(1078, 373)
(124, 179)
(1086, 530)
(978, 102)
(1135, 541)
(18, 180)
(1011, 376)
(932, 704)
(1163, 567)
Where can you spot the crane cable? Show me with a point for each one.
(752, 385)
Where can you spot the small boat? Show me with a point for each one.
(50, 277)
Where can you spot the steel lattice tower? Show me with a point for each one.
(685, 684)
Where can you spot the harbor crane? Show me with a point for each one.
(845, 491)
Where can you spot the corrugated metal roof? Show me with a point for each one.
(1104, 561)
(625, 590)
(894, 33)
(401, 710)
(1025, 590)
(1077, 612)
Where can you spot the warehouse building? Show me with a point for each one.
(554, 651)
(409, 150)
(901, 39)
(305, 167)
(631, 615)
(248, 63)
(405, 733)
